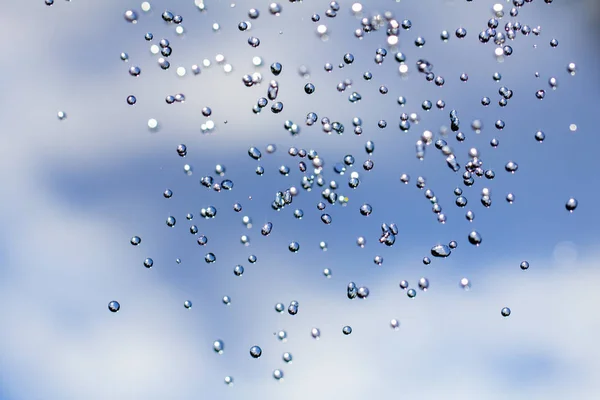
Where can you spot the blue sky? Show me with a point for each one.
(76, 191)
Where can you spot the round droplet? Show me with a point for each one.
(218, 346)
(571, 204)
(287, 357)
(171, 221)
(135, 240)
(278, 374)
(228, 380)
(424, 284)
(346, 330)
(210, 258)
(255, 351)
(187, 304)
(395, 324)
(465, 284)
(238, 270)
(511, 167)
(411, 293)
(131, 100)
(315, 333)
(505, 312)
(148, 263)
(134, 71)
(475, 238)
(61, 115)
(130, 15)
(294, 247)
(114, 306)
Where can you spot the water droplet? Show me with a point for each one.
(294, 247)
(571, 204)
(411, 293)
(346, 330)
(424, 284)
(114, 306)
(187, 304)
(228, 380)
(218, 346)
(148, 263)
(135, 240)
(278, 374)
(315, 333)
(130, 15)
(210, 258)
(395, 324)
(287, 357)
(255, 351)
(440, 250)
(238, 270)
(131, 100)
(475, 238)
(505, 312)
(61, 115)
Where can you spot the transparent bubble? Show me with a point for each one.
(461, 33)
(423, 284)
(51, 2)
(131, 100)
(445, 35)
(315, 333)
(253, 13)
(287, 357)
(505, 312)
(540, 136)
(298, 213)
(114, 306)
(571, 68)
(510, 198)
(171, 221)
(420, 41)
(187, 304)
(135, 240)
(346, 330)
(228, 380)
(553, 43)
(411, 293)
(124, 56)
(255, 351)
(571, 204)
(202, 240)
(226, 300)
(61, 115)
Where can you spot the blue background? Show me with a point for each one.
(76, 191)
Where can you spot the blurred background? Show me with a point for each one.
(79, 185)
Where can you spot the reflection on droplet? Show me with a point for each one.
(114, 306)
